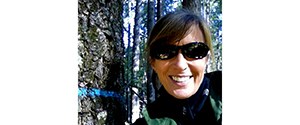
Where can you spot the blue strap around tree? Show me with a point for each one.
(95, 92)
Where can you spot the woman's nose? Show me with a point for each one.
(180, 62)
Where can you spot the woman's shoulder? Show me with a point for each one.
(215, 79)
(140, 121)
(217, 75)
(215, 97)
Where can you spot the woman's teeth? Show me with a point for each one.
(180, 79)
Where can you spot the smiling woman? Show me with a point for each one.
(179, 48)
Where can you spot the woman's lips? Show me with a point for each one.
(180, 80)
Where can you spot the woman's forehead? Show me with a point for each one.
(194, 34)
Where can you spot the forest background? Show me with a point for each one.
(115, 81)
(39, 62)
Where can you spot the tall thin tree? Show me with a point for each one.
(193, 5)
(150, 23)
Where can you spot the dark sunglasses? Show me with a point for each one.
(194, 50)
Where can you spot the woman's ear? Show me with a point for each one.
(152, 64)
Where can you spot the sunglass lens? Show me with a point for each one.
(165, 52)
(195, 50)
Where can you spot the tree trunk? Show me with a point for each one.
(150, 23)
(136, 37)
(101, 67)
(193, 5)
(158, 9)
(128, 75)
(135, 56)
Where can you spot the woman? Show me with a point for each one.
(178, 50)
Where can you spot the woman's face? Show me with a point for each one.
(180, 76)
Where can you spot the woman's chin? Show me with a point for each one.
(182, 93)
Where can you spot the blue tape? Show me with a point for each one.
(94, 92)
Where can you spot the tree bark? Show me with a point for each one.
(193, 5)
(150, 23)
(136, 36)
(101, 52)
(158, 9)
